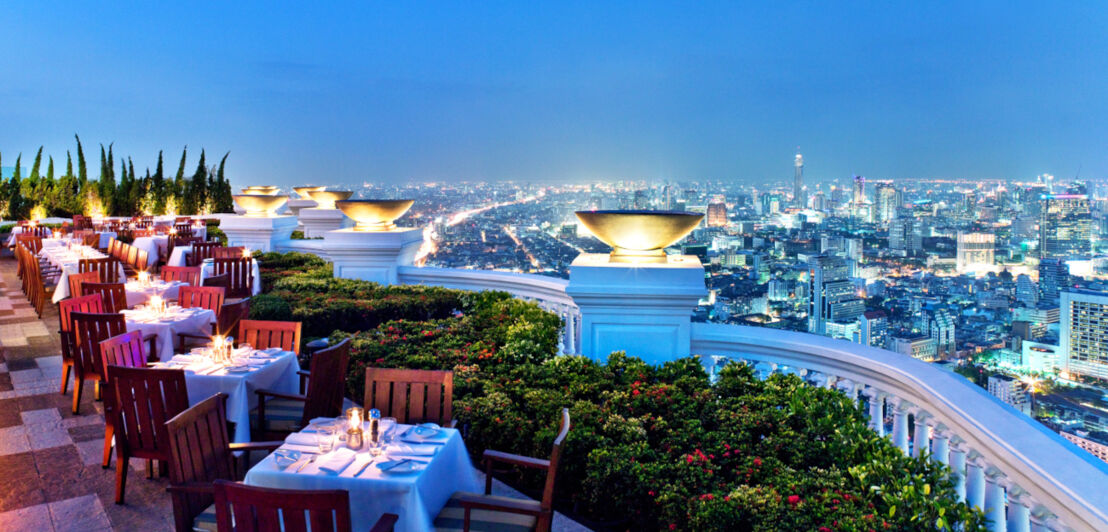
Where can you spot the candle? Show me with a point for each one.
(144, 278)
(157, 304)
(355, 437)
(246, 253)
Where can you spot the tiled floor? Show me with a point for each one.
(50, 474)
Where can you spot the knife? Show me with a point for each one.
(394, 465)
(365, 465)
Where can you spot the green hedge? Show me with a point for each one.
(651, 447)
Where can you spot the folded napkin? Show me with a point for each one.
(413, 450)
(271, 351)
(300, 438)
(189, 359)
(337, 461)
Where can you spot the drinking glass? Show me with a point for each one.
(325, 436)
(388, 429)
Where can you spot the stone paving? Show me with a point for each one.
(50, 474)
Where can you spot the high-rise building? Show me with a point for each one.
(771, 204)
(717, 214)
(906, 234)
(918, 347)
(858, 199)
(831, 294)
(800, 196)
(1010, 391)
(874, 328)
(940, 327)
(1084, 332)
(1027, 292)
(975, 250)
(1065, 226)
(886, 197)
(1054, 276)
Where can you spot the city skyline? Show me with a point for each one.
(373, 92)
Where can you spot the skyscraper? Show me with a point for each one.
(885, 196)
(874, 328)
(831, 295)
(975, 250)
(1084, 333)
(859, 198)
(940, 327)
(800, 196)
(717, 214)
(1054, 276)
(1065, 226)
(906, 234)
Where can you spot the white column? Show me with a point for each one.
(940, 445)
(900, 426)
(876, 410)
(1019, 513)
(994, 503)
(922, 440)
(1042, 519)
(571, 331)
(975, 482)
(958, 469)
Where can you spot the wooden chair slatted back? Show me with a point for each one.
(90, 329)
(91, 304)
(107, 268)
(201, 251)
(209, 297)
(32, 241)
(327, 382)
(199, 452)
(555, 456)
(230, 315)
(188, 274)
(266, 334)
(411, 395)
(222, 281)
(77, 280)
(145, 399)
(257, 509)
(114, 295)
(241, 275)
(229, 252)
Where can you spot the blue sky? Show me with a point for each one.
(566, 91)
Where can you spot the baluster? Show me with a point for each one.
(921, 442)
(900, 425)
(1019, 509)
(940, 444)
(958, 467)
(975, 480)
(1043, 520)
(876, 409)
(994, 500)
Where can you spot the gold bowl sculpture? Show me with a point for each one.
(639, 236)
(306, 192)
(327, 198)
(374, 215)
(259, 190)
(260, 205)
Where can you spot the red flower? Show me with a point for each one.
(634, 392)
(758, 462)
(824, 529)
(794, 499)
(707, 497)
(672, 526)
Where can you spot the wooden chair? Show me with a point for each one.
(222, 281)
(113, 248)
(183, 229)
(201, 251)
(241, 273)
(78, 280)
(412, 396)
(228, 253)
(33, 242)
(90, 329)
(267, 334)
(187, 274)
(123, 350)
(114, 295)
(200, 454)
(470, 511)
(243, 508)
(209, 297)
(107, 267)
(91, 304)
(141, 262)
(91, 240)
(145, 399)
(280, 412)
(227, 322)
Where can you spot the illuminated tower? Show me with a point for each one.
(1065, 226)
(859, 199)
(800, 198)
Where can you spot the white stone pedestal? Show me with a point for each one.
(317, 222)
(372, 255)
(257, 232)
(296, 204)
(643, 309)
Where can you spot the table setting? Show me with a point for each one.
(164, 319)
(67, 258)
(140, 290)
(236, 372)
(409, 470)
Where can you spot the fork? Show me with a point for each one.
(310, 460)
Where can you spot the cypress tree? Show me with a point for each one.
(226, 202)
(15, 199)
(158, 185)
(82, 169)
(29, 186)
(199, 192)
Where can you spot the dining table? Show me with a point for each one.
(411, 472)
(67, 260)
(139, 292)
(180, 253)
(247, 371)
(167, 323)
(155, 246)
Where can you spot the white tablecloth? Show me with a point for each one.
(192, 320)
(137, 294)
(152, 245)
(208, 270)
(417, 497)
(278, 375)
(68, 261)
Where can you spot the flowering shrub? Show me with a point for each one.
(660, 448)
